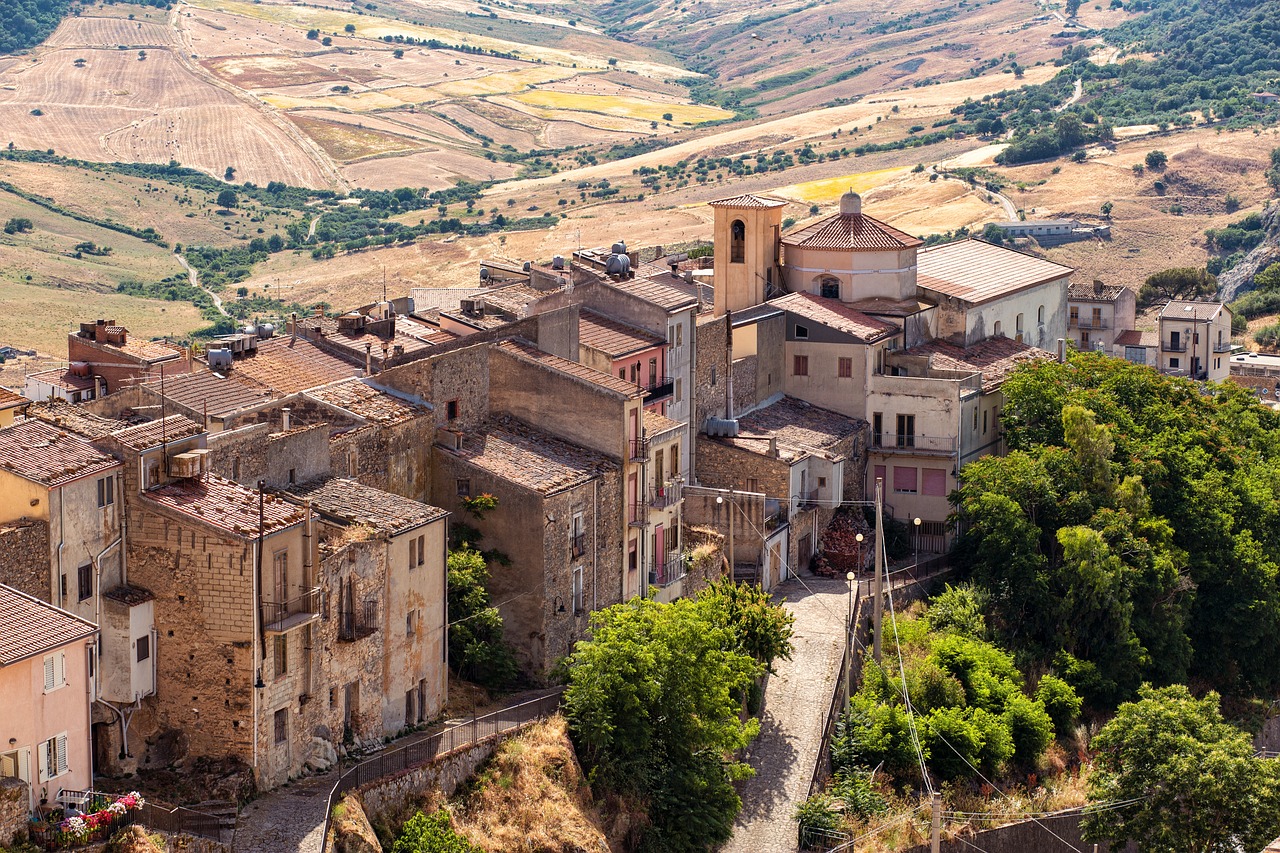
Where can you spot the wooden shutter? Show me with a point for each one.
(934, 482)
(49, 682)
(59, 669)
(61, 747)
(42, 761)
(904, 479)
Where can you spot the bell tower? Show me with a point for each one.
(746, 250)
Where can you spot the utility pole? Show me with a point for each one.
(936, 844)
(730, 508)
(878, 611)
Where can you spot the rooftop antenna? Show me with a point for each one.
(384, 282)
(164, 436)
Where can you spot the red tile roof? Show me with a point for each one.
(148, 352)
(836, 315)
(1135, 338)
(353, 503)
(527, 352)
(42, 453)
(77, 419)
(748, 200)
(853, 232)
(288, 365)
(656, 285)
(213, 393)
(154, 433)
(512, 451)
(1182, 310)
(64, 379)
(612, 337)
(224, 504)
(1092, 293)
(33, 627)
(799, 428)
(11, 399)
(366, 401)
(975, 271)
(994, 358)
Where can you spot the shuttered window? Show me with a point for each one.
(904, 479)
(55, 671)
(933, 482)
(52, 757)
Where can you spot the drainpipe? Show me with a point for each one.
(728, 370)
(595, 529)
(62, 541)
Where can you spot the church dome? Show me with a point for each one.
(851, 204)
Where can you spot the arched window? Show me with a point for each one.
(829, 287)
(1040, 316)
(737, 242)
(997, 331)
(1018, 327)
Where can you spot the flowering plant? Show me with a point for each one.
(79, 826)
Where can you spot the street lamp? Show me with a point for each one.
(848, 641)
(858, 538)
(916, 522)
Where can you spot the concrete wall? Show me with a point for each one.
(862, 275)
(965, 324)
(741, 284)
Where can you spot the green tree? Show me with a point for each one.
(763, 629)
(17, 225)
(228, 199)
(433, 833)
(1156, 159)
(1268, 279)
(1192, 781)
(1107, 207)
(652, 711)
(1177, 283)
(477, 651)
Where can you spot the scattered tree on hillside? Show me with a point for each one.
(228, 199)
(17, 225)
(1156, 159)
(1273, 174)
(1177, 283)
(1268, 279)
(1190, 778)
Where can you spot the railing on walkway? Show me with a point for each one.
(151, 815)
(427, 749)
(181, 820)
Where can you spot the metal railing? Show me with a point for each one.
(638, 514)
(427, 749)
(658, 387)
(1088, 323)
(281, 616)
(661, 497)
(639, 449)
(916, 443)
(176, 819)
(1223, 346)
(1173, 346)
(672, 569)
(357, 621)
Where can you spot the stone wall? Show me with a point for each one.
(24, 557)
(15, 801)
(299, 455)
(1030, 836)
(709, 372)
(240, 454)
(392, 801)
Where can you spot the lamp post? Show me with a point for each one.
(916, 566)
(858, 539)
(848, 642)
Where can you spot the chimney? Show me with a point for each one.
(284, 418)
(319, 311)
(368, 359)
(100, 331)
(1062, 350)
(293, 326)
(1097, 286)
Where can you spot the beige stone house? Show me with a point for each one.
(1098, 314)
(1195, 340)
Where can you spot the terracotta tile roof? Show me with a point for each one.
(513, 298)
(656, 285)
(414, 335)
(11, 399)
(994, 358)
(525, 351)
(64, 379)
(1090, 293)
(33, 627)
(148, 352)
(366, 401)
(612, 337)
(1135, 338)
(42, 453)
(528, 457)
(748, 200)
(1180, 310)
(77, 419)
(884, 307)
(224, 504)
(289, 365)
(852, 233)
(836, 315)
(975, 271)
(800, 428)
(212, 393)
(353, 503)
(656, 424)
(154, 433)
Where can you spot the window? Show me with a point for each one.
(52, 757)
(659, 460)
(679, 334)
(577, 535)
(451, 410)
(144, 648)
(1137, 355)
(293, 476)
(632, 556)
(235, 468)
(845, 369)
(881, 475)
(622, 373)
(1097, 318)
(1173, 363)
(822, 482)
(1040, 315)
(280, 656)
(984, 421)
(464, 487)
(975, 419)
(408, 706)
(802, 332)
(679, 395)
(107, 491)
(906, 431)
(422, 550)
(675, 461)
(877, 428)
(1075, 315)
(422, 699)
(996, 330)
(713, 374)
(904, 480)
(830, 287)
(933, 482)
(281, 726)
(737, 242)
(280, 576)
(352, 463)
(752, 484)
(801, 366)
(1084, 340)
(577, 590)
(408, 624)
(84, 575)
(1018, 328)
(55, 671)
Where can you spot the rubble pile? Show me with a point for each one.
(841, 553)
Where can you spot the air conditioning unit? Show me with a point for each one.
(185, 465)
(202, 456)
(451, 439)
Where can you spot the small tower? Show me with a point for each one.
(746, 250)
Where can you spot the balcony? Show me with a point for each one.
(578, 545)
(279, 617)
(672, 569)
(775, 514)
(358, 620)
(638, 449)
(638, 514)
(1173, 346)
(663, 496)
(1223, 346)
(658, 388)
(809, 499)
(913, 443)
(1088, 323)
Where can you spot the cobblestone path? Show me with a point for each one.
(290, 818)
(796, 699)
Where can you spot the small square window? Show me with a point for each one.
(801, 366)
(845, 367)
(451, 410)
(802, 332)
(464, 487)
(84, 575)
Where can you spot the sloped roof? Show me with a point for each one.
(1091, 293)
(975, 271)
(365, 401)
(77, 419)
(855, 232)
(288, 365)
(798, 427)
(525, 351)
(224, 504)
(11, 399)
(994, 358)
(531, 458)
(355, 503)
(836, 315)
(748, 200)
(64, 379)
(1180, 310)
(656, 285)
(33, 627)
(212, 393)
(1135, 338)
(42, 453)
(154, 433)
(613, 337)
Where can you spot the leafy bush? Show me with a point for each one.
(477, 651)
(432, 833)
(819, 820)
(1060, 701)
(958, 610)
(1030, 727)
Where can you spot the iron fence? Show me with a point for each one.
(427, 749)
(176, 820)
